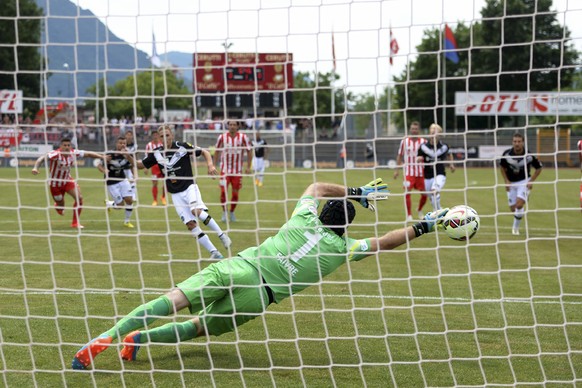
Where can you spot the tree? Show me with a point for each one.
(132, 96)
(312, 97)
(20, 59)
(501, 56)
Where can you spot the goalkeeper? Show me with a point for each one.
(234, 291)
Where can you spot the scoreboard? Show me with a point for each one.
(243, 79)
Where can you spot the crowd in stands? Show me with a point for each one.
(86, 132)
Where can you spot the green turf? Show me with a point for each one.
(501, 310)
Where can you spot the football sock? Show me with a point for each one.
(77, 209)
(223, 198)
(141, 316)
(421, 202)
(170, 333)
(233, 200)
(155, 192)
(209, 221)
(436, 201)
(203, 239)
(408, 204)
(128, 211)
(517, 216)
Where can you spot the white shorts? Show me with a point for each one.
(517, 190)
(435, 184)
(259, 164)
(120, 190)
(129, 176)
(187, 201)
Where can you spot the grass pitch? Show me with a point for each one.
(501, 310)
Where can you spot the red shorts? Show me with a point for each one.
(61, 190)
(156, 172)
(414, 182)
(234, 180)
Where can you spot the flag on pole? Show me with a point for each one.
(333, 51)
(155, 57)
(451, 45)
(393, 47)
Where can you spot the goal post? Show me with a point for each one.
(345, 80)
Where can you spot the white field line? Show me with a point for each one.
(552, 300)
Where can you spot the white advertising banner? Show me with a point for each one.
(518, 103)
(10, 101)
(31, 150)
(492, 152)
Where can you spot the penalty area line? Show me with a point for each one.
(335, 296)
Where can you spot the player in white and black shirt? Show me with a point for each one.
(435, 155)
(261, 153)
(175, 162)
(515, 167)
(132, 148)
(114, 170)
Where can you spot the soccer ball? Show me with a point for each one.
(461, 223)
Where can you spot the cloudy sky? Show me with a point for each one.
(303, 27)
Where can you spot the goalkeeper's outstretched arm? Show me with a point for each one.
(395, 238)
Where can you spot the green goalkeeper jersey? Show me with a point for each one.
(302, 252)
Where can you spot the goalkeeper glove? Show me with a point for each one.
(374, 190)
(430, 222)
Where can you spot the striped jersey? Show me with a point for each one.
(60, 166)
(151, 146)
(408, 150)
(233, 149)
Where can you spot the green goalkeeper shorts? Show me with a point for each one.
(225, 295)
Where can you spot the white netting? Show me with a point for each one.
(502, 310)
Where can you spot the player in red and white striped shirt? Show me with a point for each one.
(413, 170)
(157, 174)
(230, 149)
(60, 181)
(580, 155)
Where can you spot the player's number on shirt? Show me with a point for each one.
(312, 240)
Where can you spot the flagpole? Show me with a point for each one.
(153, 89)
(332, 83)
(393, 51)
(389, 100)
(444, 99)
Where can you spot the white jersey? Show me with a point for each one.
(408, 150)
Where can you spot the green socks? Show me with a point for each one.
(142, 316)
(170, 333)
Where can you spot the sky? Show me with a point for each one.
(302, 27)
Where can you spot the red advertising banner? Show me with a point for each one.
(242, 72)
(10, 138)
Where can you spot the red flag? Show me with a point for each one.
(333, 51)
(393, 47)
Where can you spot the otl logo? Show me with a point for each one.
(539, 103)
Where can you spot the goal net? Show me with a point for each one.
(334, 88)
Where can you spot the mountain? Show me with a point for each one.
(80, 50)
(182, 61)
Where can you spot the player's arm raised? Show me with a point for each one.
(374, 190)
